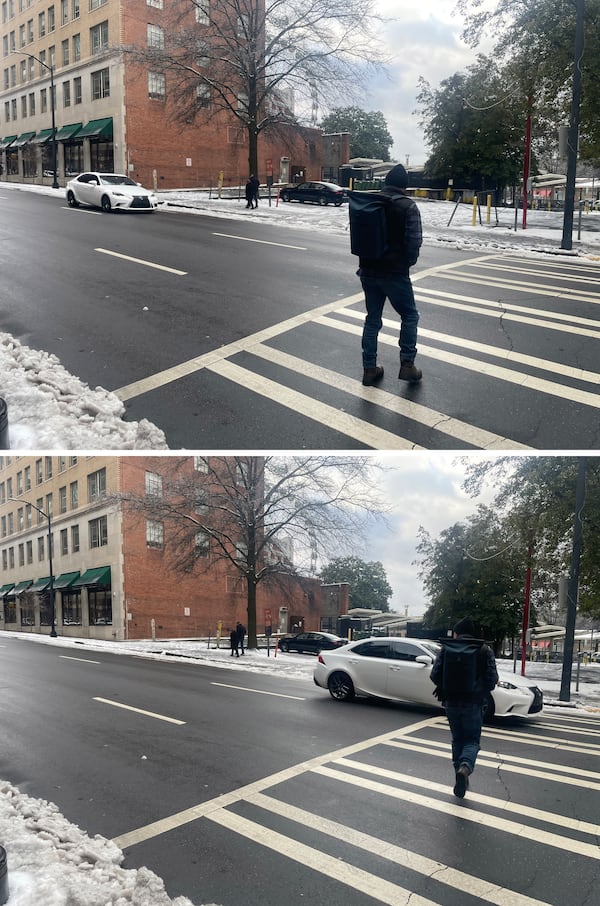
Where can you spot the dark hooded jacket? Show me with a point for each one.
(405, 233)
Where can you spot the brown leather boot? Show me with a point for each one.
(372, 375)
(409, 372)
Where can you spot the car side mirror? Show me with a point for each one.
(423, 659)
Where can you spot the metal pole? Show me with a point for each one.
(526, 162)
(573, 589)
(55, 184)
(526, 611)
(573, 139)
(53, 627)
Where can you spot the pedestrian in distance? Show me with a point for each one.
(464, 673)
(241, 634)
(249, 191)
(387, 277)
(255, 186)
(234, 642)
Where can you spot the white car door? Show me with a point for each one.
(408, 678)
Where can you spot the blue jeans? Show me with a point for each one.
(398, 289)
(465, 722)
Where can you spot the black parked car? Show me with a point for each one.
(311, 642)
(315, 192)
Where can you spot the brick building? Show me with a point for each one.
(114, 114)
(113, 568)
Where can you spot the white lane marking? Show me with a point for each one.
(154, 381)
(158, 267)
(547, 838)
(281, 245)
(507, 355)
(358, 879)
(82, 210)
(205, 808)
(170, 720)
(453, 877)
(430, 418)
(364, 432)
(525, 381)
(536, 289)
(297, 698)
(191, 366)
(85, 660)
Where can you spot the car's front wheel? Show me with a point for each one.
(71, 200)
(285, 196)
(322, 199)
(106, 205)
(489, 708)
(283, 646)
(340, 686)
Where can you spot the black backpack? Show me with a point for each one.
(368, 224)
(463, 664)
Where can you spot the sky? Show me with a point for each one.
(424, 39)
(52, 862)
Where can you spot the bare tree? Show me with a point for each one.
(252, 59)
(264, 516)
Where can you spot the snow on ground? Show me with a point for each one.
(54, 863)
(50, 409)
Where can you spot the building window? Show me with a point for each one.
(76, 48)
(203, 12)
(96, 4)
(62, 499)
(48, 466)
(64, 12)
(201, 504)
(9, 487)
(65, 56)
(154, 484)
(66, 94)
(71, 608)
(23, 106)
(202, 543)
(96, 485)
(20, 519)
(40, 546)
(11, 523)
(99, 38)
(203, 95)
(154, 534)
(43, 100)
(19, 483)
(32, 103)
(157, 4)
(98, 532)
(41, 25)
(40, 506)
(3, 525)
(100, 607)
(74, 495)
(156, 85)
(21, 555)
(100, 84)
(28, 512)
(77, 90)
(74, 539)
(64, 542)
(49, 504)
(51, 19)
(29, 552)
(11, 558)
(76, 9)
(4, 560)
(156, 37)
(200, 464)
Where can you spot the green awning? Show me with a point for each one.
(97, 129)
(5, 142)
(65, 580)
(40, 584)
(20, 587)
(98, 576)
(42, 137)
(6, 588)
(66, 132)
(23, 139)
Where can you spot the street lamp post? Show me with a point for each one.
(50, 69)
(47, 516)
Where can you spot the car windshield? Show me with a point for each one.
(432, 647)
(112, 179)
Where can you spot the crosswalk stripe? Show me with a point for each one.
(568, 844)
(547, 271)
(516, 314)
(536, 289)
(526, 381)
(445, 874)
(359, 430)
(357, 878)
(508, 355)
(462, 431)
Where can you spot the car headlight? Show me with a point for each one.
(504, 684)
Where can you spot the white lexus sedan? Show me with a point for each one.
(111, 192)
(398, 669)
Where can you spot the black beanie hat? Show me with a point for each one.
(466, 626)
(397, 177)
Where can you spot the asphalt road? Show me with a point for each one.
(240, 788)
(232, 335)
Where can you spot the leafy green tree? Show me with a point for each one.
(369, 133)
(368, 582)
(538, 37)
(474, 124)
(474, 569)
